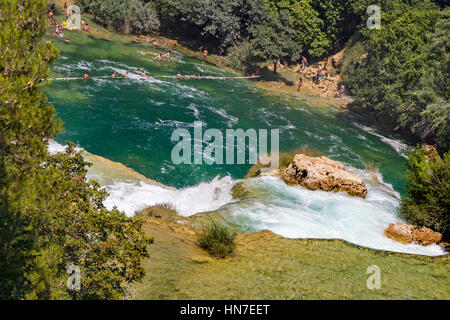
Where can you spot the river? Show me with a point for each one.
(131, 121)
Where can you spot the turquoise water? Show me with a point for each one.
(131, 121)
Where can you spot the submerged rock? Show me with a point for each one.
(322, 173)
(407, 233)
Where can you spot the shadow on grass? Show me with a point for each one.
(269, 75)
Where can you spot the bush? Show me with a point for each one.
(217, 239)
(428, 188)
(239, 56)
(160, 210)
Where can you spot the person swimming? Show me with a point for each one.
(86, 27)
(85, 76)
(178, 75)
(126, 75)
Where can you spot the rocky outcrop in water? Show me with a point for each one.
(407, 233)
(322, 173)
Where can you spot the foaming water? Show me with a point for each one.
(295, 212)
(290, 211)
(206, 196)
(396, 144)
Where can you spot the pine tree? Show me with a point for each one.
(51, 215)
(26, 121)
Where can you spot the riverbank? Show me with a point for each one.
(268, 266)
(284, 81)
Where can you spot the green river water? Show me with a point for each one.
(131, 121)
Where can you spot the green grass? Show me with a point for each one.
(217, 239)
(267, 266)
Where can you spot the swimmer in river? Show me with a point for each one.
(85, 76)
(126, 75)
(114, 74)
(178, 75)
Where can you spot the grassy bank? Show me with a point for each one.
(267, 266)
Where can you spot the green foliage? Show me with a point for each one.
(23, 63)
(51, 216)
(136, 16)
(217, 239)
(318, 23)
(428, 189)
(105, 244)
(275, 40)
(404, 76)
(239, 56)
(225, 22)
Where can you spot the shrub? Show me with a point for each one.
(239, 56)
(428, 187)
(160, 210)
(217, 239)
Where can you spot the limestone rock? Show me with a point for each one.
(426, 236)
(400, 232)
(406, 233)
(322, 173)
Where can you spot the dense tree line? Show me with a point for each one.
(135, 16)
(404, 75)
(51, 215)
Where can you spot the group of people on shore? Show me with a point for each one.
(155, 42)
(320, 75)
(63, 24)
